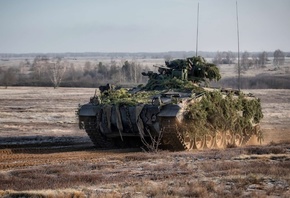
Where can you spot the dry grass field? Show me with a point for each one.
(44, 154)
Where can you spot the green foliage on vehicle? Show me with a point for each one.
(202, 71)
(219, 112)
(124, 97)
(182, 74)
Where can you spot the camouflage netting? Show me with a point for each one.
(182, 74)
(124, 97)
(202, 70)
(178, 75)
(167, 83)
(199, 69)
(218, 112)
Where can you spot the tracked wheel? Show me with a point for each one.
(199, 142)
(172, 139)
(174, 136)
(228, 138)
(209, 141)
(219, 140)
(253, 137)
(93, 131)
(235, 139)
(188, 142)
(99, 140)
(238, 139)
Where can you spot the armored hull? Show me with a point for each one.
(172, 112)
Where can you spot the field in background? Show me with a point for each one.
(42, 149)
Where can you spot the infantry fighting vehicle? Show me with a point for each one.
(175, 110)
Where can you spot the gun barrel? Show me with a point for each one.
(162, 66)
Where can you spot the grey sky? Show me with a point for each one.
(142, 25)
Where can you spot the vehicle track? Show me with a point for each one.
(19, 156)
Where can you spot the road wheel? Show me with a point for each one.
(219, 140)
(199, 142)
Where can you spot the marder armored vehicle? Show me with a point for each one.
(175, 110)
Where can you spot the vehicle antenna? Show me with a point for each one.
(197, 30)
(238, 34)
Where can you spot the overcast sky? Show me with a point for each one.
(142, 25)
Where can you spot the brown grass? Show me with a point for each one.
(266, 150)
(209, 173)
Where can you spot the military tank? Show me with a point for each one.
(175, 110)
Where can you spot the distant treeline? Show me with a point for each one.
(54, 70)
(256, 82)
(45, 71)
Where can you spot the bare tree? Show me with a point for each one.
(224, 58)
(114, 73)
(126, 71)
(229, 57)
(8, 76)
(218, 58)
(73, 73)
(262, 59)
(245, 61)
(90, 69)
(132, 71)
(38, 68)
(279, 57)
(103, 70)
(55, 71)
